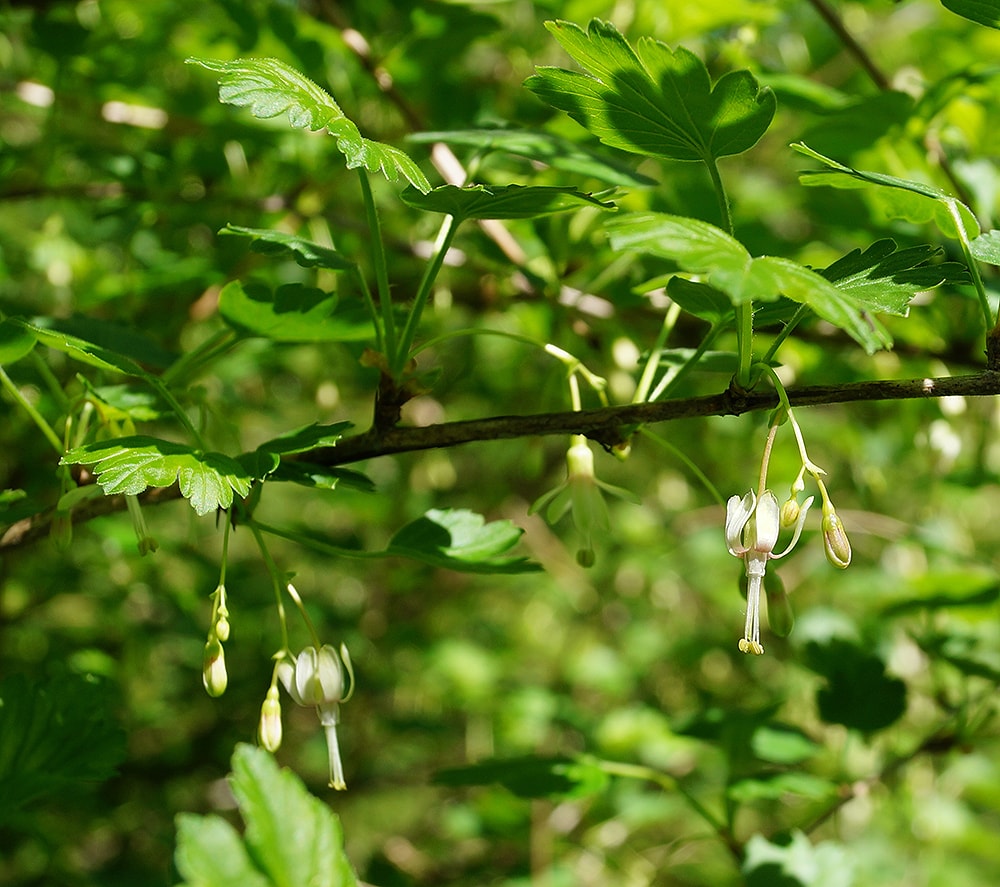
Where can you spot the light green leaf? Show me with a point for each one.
(16, 341)
(986, 247)
(797, 862)
(130, 465)
(270, 88)
(773, 786)
(305, 252)
(652, 100)
(542, 147)
(500, 201)
(908, 198)
(265, 460)
(211, 853)
(782, 745)
(293, 313)
(461, 540)
(80, 349)
(982, 12)
(309, 474)
(701, 248)
(294, 838)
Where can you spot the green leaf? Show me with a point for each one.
(542, 147)
(774, 786)
(308, 474)
(532, 776)
(909, 200)
(943, 590)
(500, 201)
(211, 853)
(276, 243)
(271, 88)
(55, 737)
(293, 313)
(986, 247)
(266, 461)
(652, 100)
(982, 12)
(130, 465)
(291, 837)
(16, 341)
(306, 438)
(725, 362)
(80, 349)
(461, 540)
(796, 863)
(859, 694)
(294, 838)
(701, 248)
(700, 299)
(885, 279)
(782, 745)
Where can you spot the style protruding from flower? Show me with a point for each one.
(752, 527)
(582, 495)
(317, 679)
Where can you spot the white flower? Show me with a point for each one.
(752, 527)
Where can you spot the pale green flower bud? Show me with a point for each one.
(213, 672)
(269, 729)
(789, 513)
(835, 541)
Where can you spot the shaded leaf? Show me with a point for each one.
(80, 349)
(55, 736)
(16, 341)
(532, 776)
(782, 745)
(700, 299)
(543, 147)
(500, 201)
(130, 465)
(942, 590)
(982, 12)
(270, 88)
(773, 786)
(652, 100)
(276, 243)
(293, 313)
(309, 474)
(461, 540)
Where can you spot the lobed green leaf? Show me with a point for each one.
(500, 201)
(652, 100)
(305, 252)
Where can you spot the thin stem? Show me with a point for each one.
(681, 456)
(653, 362)
(178, 410)
(669, 382)
(366, 294)
(277, 579)
(977, 278)
(852, 45)
(445, 238)
(800, 314)
(381, 269)
(53, 383)
(29, 408)
(765, 459)
(190, 363)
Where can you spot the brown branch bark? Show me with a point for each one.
(608, 426)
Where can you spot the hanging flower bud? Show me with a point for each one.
(789, 513)
(269, 729)
(835, 541)
(213, 671)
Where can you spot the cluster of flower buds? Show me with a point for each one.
(320, 678)
(213, 671)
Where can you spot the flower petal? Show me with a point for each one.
(738, 512)
(762, 534)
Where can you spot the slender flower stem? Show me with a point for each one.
(653, 361)
(445, 237)
(977, 278)
(766, 458)
(669, 382)
(178, 410)
(190, 363)
(53, 383)
(381, 269)
(277, 579)
(800, 314)
(683, 457)
(29, 408)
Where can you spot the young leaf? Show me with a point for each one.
(305, 252)
(500, 201)
(130, 465)
(885, 279)
(292, 313)
(270, 88)
(542, 147)
(982, 12)
(702, 248)
(461, 540)
(652, 100)
(16, 341)
(904, 204)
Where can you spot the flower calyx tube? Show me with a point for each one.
(752, 527)
(317, 678)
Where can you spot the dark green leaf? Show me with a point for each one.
(774, 786)
(130, 465)
(16, 341)
(309, 474)
(79, 349)
(500, 201)
(982, 12)
(725, 362)
(532, 776)
(55, 736)
(652, 100)
(276, 243)
(859, 694)
(309, 437)
(461, 540)
(857, 125)
(542, 147)
(700, 299)
(293, 313)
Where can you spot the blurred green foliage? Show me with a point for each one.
(565, 727)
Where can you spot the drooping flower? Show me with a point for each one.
(752, 527)
(317, 680)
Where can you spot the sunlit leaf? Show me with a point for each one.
(797, 863)
(293, 313)
(782, 745)
(652, 100)
(305, 252)
(270, 88)
(986, 247)
(500, 201)
(130, 465)
(16, 341)
(211, 853)
(461, 540)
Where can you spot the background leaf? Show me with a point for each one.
(305, 252)
(500, 201)
(983, 12)
(532, 776)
